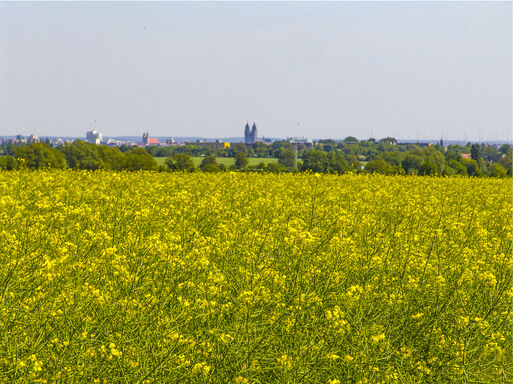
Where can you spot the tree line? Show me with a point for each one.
(327, 156)
(76, 155)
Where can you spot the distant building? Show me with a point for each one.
(94, 137)
(218, 144)
(466, 156)
(19, 139)
(32, 139)
(147, 140)
(250, 136)
(57, 142)
(119, 143)
(308, 143)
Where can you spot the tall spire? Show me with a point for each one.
(254, 133)
(250, 136)
(246, 133)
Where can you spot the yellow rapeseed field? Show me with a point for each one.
(254, 278)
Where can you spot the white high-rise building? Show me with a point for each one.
(94, 137)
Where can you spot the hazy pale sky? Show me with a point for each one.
(410, 70)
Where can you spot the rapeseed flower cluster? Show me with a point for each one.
(254, 278)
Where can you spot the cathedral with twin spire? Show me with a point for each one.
(250, 136)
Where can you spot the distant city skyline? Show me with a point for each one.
(91, 137)
(410, 70)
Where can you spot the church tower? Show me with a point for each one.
(250, 135)
(247, 134)
(146, 138)
(253, 133)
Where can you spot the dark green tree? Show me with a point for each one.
(506, 161)
(180, 162)
(490, 153)
(112, 157)
(39, 156)
(505, 148)
(453, 152)
(457, 167)
(472, 167)
(394, 160)
(432, 155)
(412, 162)
(320, 161)
(8, 163)
(327, 145)
(288, 158)
(315, 161)
(82, 155)
(209, 164)
(388, 140)
(428, 169)
(475, 152)
(378, 166)
(237, 148)
(274, 167)
(353, 162)
(497, 170)
(337, 163)
(261, 149)
(138, 159)
(350, 140)
(241, 160)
